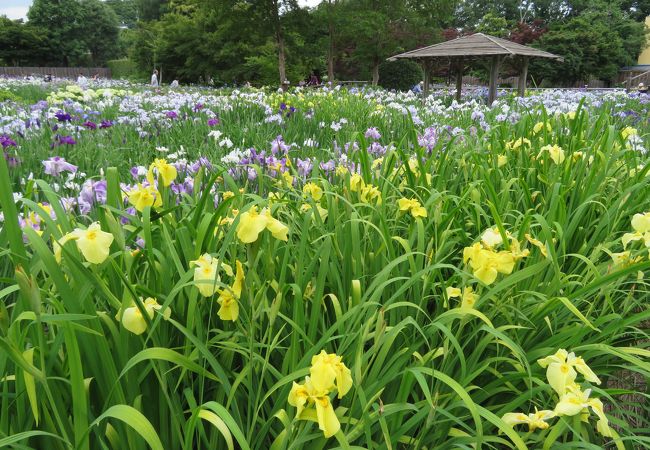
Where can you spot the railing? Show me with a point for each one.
(58, 72)
(641, 78)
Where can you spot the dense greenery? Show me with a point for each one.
(447, 255)
(264, 41)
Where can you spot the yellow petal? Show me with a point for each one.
(560, 376)
(251, 224)
(327, 420)
(94, 244)
(133, 320)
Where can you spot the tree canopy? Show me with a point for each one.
(266, 41)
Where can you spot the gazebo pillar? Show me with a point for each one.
(523, 75)
(494, 75)
(426, 69)
(460, 65)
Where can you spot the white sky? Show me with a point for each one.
(17, 9)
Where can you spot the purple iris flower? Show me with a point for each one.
(373, 133)
(198, 107)
(279, 146)
(64, 140)
(171, 115)
(213, 122)
(90, 125)
(328, 166)
(376, 149)
(54, 166)
(105, 124)
(6, 141)
(63, 116)
(304, 167)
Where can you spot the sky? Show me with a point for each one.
(17, 9)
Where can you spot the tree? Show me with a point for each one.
(126, 11)
(20, 44)
(64, 43)
(100, 32)
(595, 43)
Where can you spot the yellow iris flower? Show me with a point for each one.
(133, 320)
(467, 295)
(327, 373)
(144, 196)
(229, 297)
(93, 243)
(166, 171)
(327, 370)
(534, 420)
(313, 190)
(562, 368)
(486, 264)
(305, 395)
(252, 223)
(555, 152)
(641, 226)
(412, 206)
(206, 274)
(575, 401)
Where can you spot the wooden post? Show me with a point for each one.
(494, 75)
(523, 75)
(426, 68)
(460, 66)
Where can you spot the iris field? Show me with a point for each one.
(247, 269)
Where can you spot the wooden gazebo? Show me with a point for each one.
(477, 46)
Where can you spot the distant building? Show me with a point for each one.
(644, 57)
(631, 76)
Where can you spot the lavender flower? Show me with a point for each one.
(54, 166)
(373, 133)
(279, 146)
(304, 167)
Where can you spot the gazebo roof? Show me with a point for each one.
(478, 44)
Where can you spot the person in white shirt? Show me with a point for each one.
(82, 81)
(154, 78)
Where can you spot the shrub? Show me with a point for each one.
(399, 75)
(123, 68)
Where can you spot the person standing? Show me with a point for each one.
(154, 78)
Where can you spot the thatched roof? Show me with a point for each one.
(478, 44)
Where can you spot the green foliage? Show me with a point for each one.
(75, 32)
(400, 75)
(122, 68)
(125, 10)
(99, 30)
(20, 44)
(596, 43)
(367, 282)
(493, 25)
(6, 95)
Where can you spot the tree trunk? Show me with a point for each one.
(281, 58)
(330, 53)
(375, 71)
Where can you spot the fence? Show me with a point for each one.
(58, 72)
